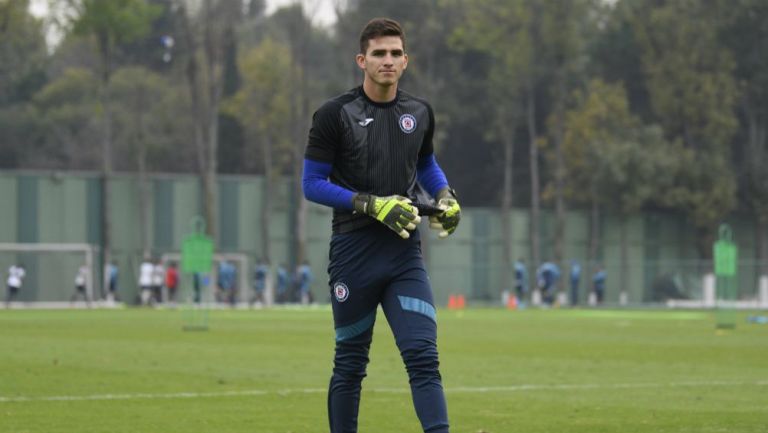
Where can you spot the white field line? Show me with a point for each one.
(451, 390)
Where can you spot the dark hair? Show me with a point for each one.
(377, 28)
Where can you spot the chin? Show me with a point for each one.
(387, 83)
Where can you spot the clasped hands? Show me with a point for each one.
(399, 214)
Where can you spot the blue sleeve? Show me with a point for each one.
(430, 175)
(318, 189)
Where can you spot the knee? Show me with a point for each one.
(421, 360)
(350, 361)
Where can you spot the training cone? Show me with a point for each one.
(512, 303)
(452, 302)
(460, 303)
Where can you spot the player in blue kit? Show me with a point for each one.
(370, 158)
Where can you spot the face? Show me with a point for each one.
(384, 61)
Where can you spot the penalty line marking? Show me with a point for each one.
(452, 390)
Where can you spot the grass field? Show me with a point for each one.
(266, 371)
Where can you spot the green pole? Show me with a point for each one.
(197, 259)
(726, 267)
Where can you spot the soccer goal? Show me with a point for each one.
(50, 270)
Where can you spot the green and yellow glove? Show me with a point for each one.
(394, 211)
(447, 221)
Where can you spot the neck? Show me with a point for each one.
(379, 93)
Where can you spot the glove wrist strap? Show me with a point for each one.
(446, 192)
(363, 203)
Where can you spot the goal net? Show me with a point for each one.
(50, 270)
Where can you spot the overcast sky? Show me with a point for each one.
(321, 9)
(321, 12)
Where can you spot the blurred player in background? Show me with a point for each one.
(112, 275)
(575, 279)
(547, 276)
(81, 289)
(145, 281)
(598, 284)
(369, 153)
(521, 282)
(226, 283)
(260, 274)
(281, 283)
(303, 282)
(16, 274)
(172, 281)
(158, 279)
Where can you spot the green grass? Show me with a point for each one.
(526, 371)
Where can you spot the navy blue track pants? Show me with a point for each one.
(371, 267)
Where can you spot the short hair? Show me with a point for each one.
(377, 28)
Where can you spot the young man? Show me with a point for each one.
(369, 156)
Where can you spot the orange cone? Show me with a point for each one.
(512, 303)
(460, 303)
(452, 302)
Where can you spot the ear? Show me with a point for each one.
(360, 60)
(405, 61)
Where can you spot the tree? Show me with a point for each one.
(564, 30)
(746, 36)
(137, 96)
(600, 115)
(110, 23)
(501, 32)
(693, 94)
(22, 53)
(63, 110)
(22, 73)
(262, 105)
(206, 32)
(613, 161)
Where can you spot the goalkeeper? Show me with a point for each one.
(369, 154)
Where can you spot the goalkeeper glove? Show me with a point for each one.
(447, 221)
(394, 211)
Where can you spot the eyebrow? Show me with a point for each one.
(380, 51)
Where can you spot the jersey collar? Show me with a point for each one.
(379, 104)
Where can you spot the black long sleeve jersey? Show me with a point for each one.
(372, 147)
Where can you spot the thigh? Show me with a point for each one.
(355, 283)
(409, 307)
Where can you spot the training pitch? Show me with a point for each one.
(266, 371)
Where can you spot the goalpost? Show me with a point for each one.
(50, 270)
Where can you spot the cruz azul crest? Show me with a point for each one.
(341, 292)
(407, 123)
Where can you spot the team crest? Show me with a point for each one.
(407, 123)
(340, 292)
